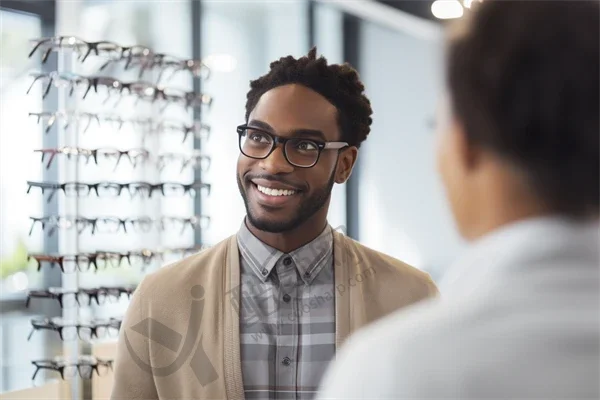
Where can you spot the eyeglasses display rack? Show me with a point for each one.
(122, 174)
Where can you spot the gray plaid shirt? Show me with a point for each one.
(287, 317)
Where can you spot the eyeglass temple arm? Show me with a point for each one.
(31, 333)
(39, 263)
(44, 151)
(28, 301)
(92, 83)
(40, 367)
(37, 46)
(34, 220)
(31, 86)
(335, 145)
(51, 194)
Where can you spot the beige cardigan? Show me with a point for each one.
(369, 285)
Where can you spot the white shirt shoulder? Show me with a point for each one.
(385, 359)
(521, 321)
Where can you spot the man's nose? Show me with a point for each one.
(276, 163)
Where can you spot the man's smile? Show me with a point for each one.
(272, 194)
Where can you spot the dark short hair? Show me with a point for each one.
(523, 81)
(338, 83)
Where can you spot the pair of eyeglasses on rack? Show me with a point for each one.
(137, 56)
(83, 297)
(113, 225)
(110, 50)
(69, 81)
(105, 155)
(101, 260)
(136, 157)
(68, 118)
(110, 88)
(68, 368)
(165, 62)
(69, 330)
(183, 161)
(197, 129)
(108, 189)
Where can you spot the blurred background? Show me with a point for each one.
(393, 202)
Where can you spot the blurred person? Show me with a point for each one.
(260, 314)
(518, 315)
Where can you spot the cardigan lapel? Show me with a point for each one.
(233, 364)
(342, 300)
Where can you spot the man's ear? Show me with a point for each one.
(469, 154)
(345, 164)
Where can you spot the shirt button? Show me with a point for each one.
(287, 298)
(286, 361)
(264, 271)
(287, 261)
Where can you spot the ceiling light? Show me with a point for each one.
(469, 3)
(447, 9)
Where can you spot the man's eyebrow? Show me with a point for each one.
(296, 132)
(261, 125)
(309, 132)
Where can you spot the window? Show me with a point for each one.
(19, 136)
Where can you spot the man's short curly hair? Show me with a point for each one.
(338, 83)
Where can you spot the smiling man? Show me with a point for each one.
(280, 296)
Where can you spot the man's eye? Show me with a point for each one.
(258, 137)
(306, 146)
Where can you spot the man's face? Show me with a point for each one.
(279, 196)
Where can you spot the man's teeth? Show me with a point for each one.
(275, 192)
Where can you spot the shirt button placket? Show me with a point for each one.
(287, 343)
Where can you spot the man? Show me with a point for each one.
(519, 313)
(301, 287)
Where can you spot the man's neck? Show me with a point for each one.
(503, 198)
(289, 241)
(504, 208)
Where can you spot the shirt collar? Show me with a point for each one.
(504, 252)
(308, 259)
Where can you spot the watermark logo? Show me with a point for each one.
(191, 344)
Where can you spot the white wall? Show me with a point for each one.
(402, 208)
(329, 42)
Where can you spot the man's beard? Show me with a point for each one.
(307, 209)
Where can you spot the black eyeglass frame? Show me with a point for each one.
(321, 145)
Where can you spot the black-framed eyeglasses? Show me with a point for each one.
(83, 297)
(299, 152)
(68, 368)
(113, 189)
(70, 330)
(68, 264)
(101, 260)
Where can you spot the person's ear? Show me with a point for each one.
(345, 164)
(468, 153)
